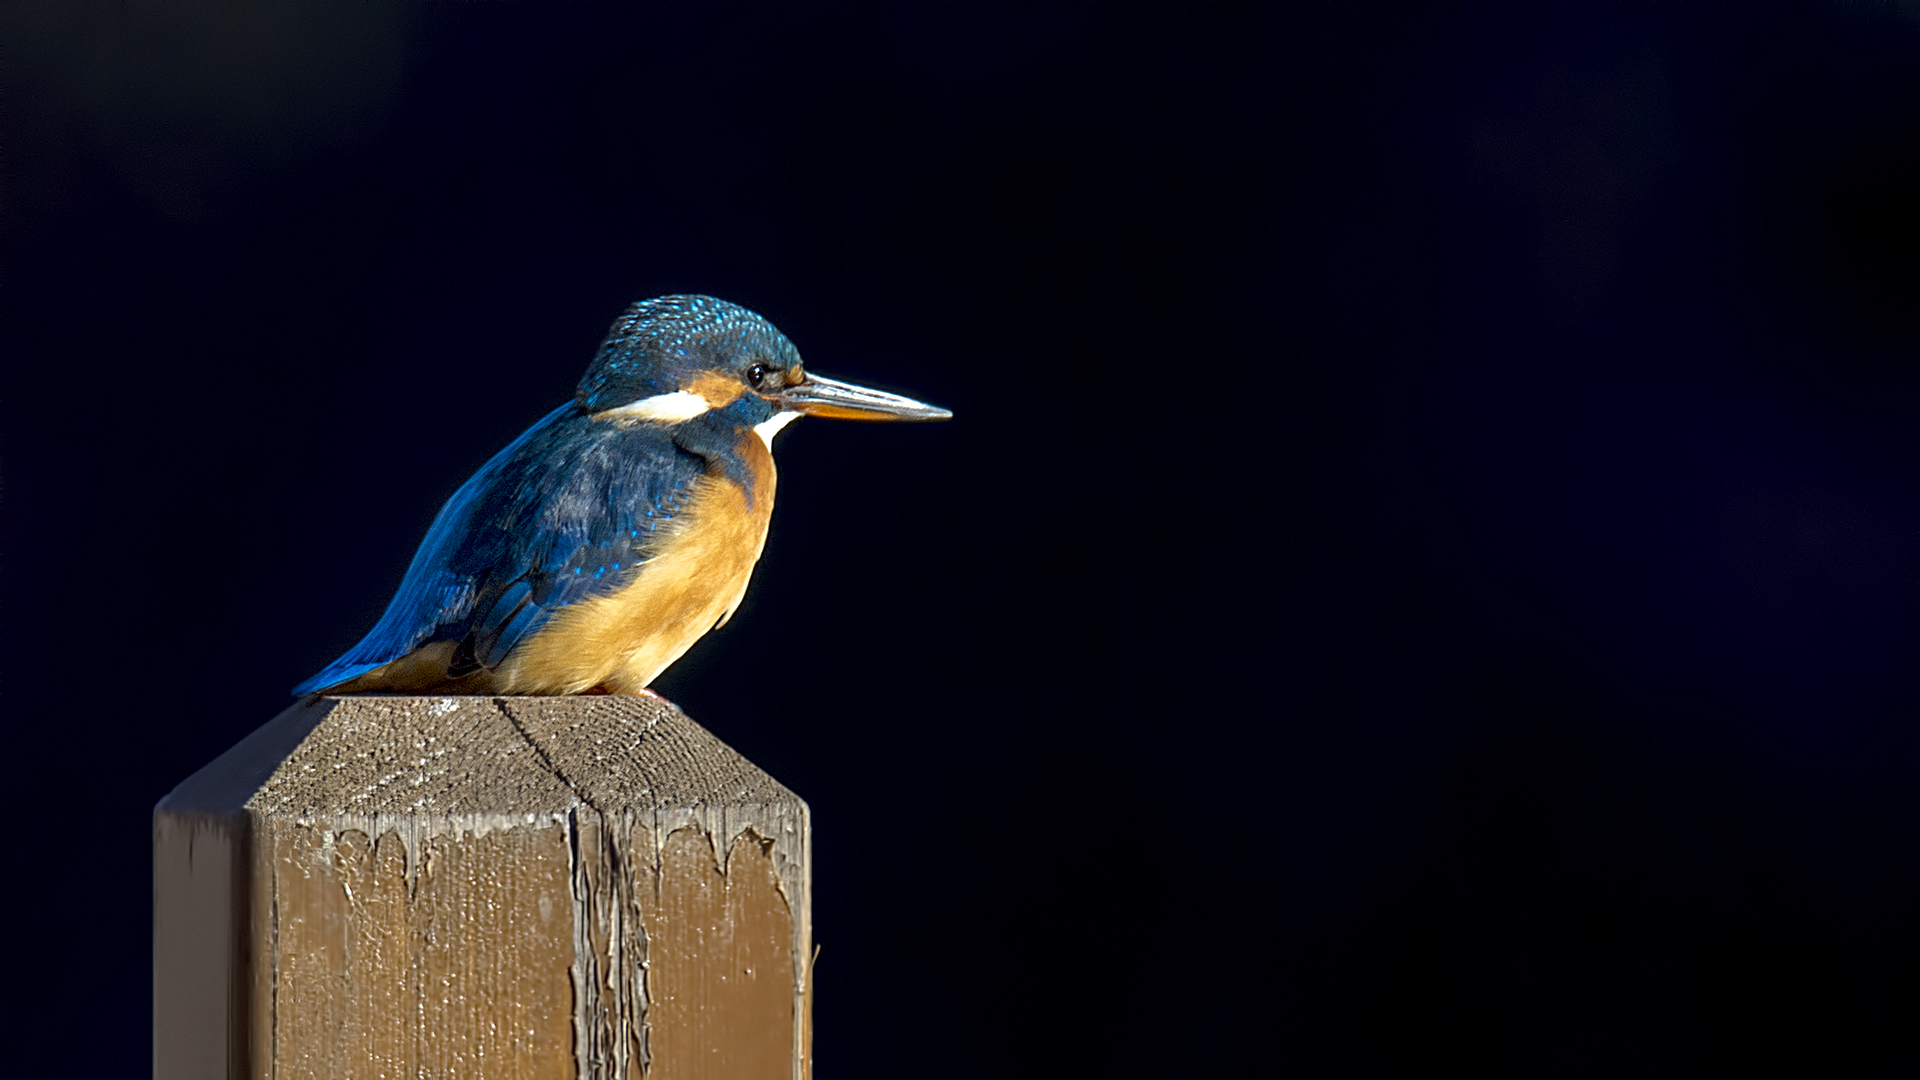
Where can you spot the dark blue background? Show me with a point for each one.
(1424, 570)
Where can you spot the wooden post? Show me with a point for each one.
(481, 887)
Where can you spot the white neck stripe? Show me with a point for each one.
(666, 408)
(771, 426)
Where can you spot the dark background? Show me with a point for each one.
(1423, 571)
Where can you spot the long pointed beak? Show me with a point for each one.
(844, 401)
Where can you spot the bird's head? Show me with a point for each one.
(674, 358)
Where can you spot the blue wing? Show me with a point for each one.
(553, 518)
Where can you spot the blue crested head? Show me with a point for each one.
(675, 359)
(686, 343)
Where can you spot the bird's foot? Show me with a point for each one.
(603, 688)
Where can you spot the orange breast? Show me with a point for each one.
(695, 575)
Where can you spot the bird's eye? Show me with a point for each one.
(756, 373)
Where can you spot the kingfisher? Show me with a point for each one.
(596, 548)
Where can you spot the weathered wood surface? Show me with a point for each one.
(481, 887)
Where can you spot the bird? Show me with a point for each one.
(596, 548)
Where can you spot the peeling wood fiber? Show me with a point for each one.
(472, 886)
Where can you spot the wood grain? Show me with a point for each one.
(498, 887)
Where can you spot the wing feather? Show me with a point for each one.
(563, 513)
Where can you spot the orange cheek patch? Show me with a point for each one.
(717, 388)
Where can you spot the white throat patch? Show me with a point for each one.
(664, 408)
(771, 426)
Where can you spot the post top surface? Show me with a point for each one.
(464, 756)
